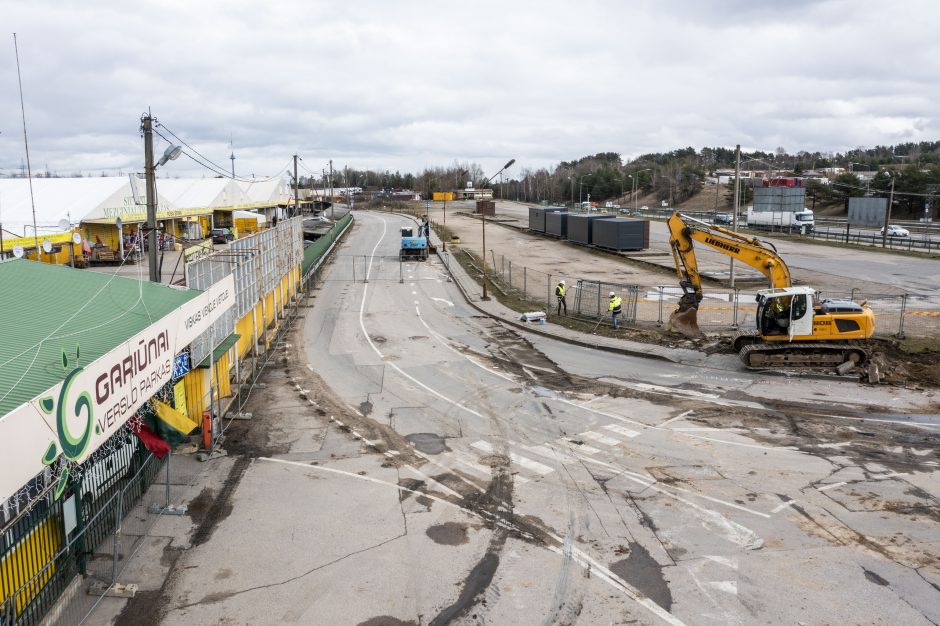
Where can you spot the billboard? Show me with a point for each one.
(867, 211)
(77, 415)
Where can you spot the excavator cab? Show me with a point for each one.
(785, 312)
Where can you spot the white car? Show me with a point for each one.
(895, 231)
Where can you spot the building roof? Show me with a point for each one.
(51, 309)
(55, 198)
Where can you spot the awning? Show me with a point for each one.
(220, 350)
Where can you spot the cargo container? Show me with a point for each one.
(486, 207)
(621, 233)
(537, 217)
(556, 223)
(580, 229)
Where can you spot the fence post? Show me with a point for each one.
(734, 307)
(659, 321)
(852, 296)
(900, 334)
(354, 268)
(524, 295)
(599, 314)
(365, 271)
(168, 479)
(548, 294)
(510, 272)
(118, 515)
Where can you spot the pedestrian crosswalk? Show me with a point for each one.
(535, 461)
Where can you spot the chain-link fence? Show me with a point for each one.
(721, 310)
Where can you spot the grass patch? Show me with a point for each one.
(919, 345)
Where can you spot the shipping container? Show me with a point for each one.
(537, 217)
(580, 228)
(556, 223)
(621, 233)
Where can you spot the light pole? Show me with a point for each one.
(580, 186)
(171, 153)
(634, 176)
(483, 222)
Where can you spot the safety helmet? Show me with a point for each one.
(561, 282)
(612, 294)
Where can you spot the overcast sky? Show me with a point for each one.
(407, 85)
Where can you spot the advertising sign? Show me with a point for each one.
(77, 415)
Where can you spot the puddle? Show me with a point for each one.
(428, 443)
(448, 534)
(643, 572)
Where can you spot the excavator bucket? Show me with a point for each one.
(684, 322)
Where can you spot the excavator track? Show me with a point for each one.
(770, 355)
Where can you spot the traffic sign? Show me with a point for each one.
(427, 205)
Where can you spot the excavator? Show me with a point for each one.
(793, 327)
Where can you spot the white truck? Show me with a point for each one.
(801, 221)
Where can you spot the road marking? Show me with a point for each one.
(414, 293)
(832, 486)
(447, 302)
(581, 447)
(728, 586)
(465, 459)
(676, 418)
(551, 453)
(604, 439)
(782, 506)
(834, 445)
(529, 464)
(620, 430)
(723, 560)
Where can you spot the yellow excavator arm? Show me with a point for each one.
(685, 230)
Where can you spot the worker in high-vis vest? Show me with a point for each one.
(560, 290)
(615, 307)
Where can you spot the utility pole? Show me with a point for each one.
(884, 231)
(152, 198)
(233, 164)
(737, 200)
(296, 189)
(332, 212)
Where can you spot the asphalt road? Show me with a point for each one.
(609, 488)
(411, 461)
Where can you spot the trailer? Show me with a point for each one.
(803, 221)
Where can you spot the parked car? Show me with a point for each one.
(221, 235)
(723, 218)
(895, 231)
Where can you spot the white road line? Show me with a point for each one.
(782, 506)
(551, 453)
(580, 447)
(465, 459)
(529, 464)
(620, 430)
(832, 486)
(676, 418)
(447, 302)
(599, 438)
(619, 418)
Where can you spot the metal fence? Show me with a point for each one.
(75, 547)
(721, 310)
(258, 263)
(921, 243)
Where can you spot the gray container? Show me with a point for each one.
(580, 227)
(620, 233)
(537, 217)
(556, 224)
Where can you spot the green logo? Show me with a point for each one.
(72, 445)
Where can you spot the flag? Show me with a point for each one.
(171, 425)
(158, 447)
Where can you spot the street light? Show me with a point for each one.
(580, 186)
(444, 238)
(634, 179)
(483, 222)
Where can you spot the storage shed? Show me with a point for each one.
(537, 217)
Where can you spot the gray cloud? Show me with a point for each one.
(412, 84)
